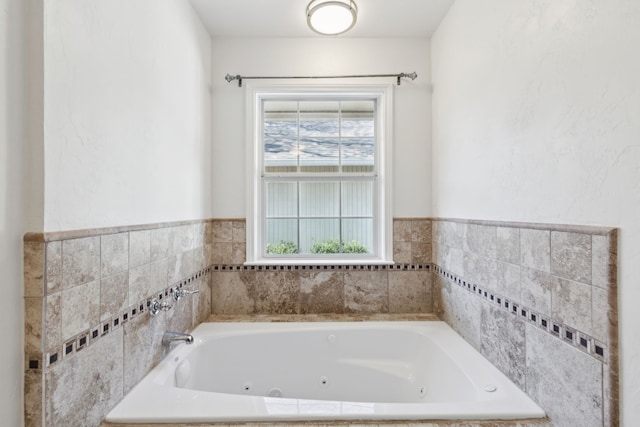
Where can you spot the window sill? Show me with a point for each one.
(315, 261)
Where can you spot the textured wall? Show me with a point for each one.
(127, 114)
(536, 106)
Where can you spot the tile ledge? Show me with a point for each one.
(322, 317)
(569, 228)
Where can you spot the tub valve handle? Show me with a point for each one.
(155, 306)
(179, 293)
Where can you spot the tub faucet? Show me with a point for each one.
(175, 337)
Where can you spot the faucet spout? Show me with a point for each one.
(176, 337)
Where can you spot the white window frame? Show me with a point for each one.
(383, 212)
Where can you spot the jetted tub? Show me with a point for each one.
(323, 371)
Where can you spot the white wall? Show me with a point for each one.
(12, 158)
(323, 56)
(127, 113)
(537, 118)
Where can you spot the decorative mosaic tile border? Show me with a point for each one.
(393, 267)
(86, 338)
(562, 332)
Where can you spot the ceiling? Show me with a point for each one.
(287, 18)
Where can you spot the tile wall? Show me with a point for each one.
(88, 334)
(539, 301)
(402, 288)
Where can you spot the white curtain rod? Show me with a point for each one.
(229, 78)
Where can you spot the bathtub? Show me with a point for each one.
(237, 372)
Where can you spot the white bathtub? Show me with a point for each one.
(323, 371)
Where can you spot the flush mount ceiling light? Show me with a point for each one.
(331, 17)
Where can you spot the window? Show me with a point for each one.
(319, 192)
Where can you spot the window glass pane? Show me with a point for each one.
(358, 119)
(319, 199)
(358, 155)
(357, 199)
(280, 155)
(319, 235)
(281, 236)
(282, 199)
(357, 235)
(319, 118)
(319, 155)
(281, 119)
(319, 131)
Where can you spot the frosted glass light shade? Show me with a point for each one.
(331, 17)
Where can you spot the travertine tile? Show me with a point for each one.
(238, 253)
(571, 256)
(114, 254)
(366, 291)
(410, 292)
(508, 245)
(508, 280)
(402, 230)
(80, 308)
(33, 398)
(449, 258)
(53, 323)
(480, 270)
(180, 316)
(275, 292)
(321, 292)
(159, 243)
(222, 252)
(33, 324)
(180, 239)
(140, 286)
(536, 289)
(34, 266)
(481, 240)
(139, 248)
(421, 230)
(459, 308)
(566, 382)
(114, 295)
(198, 235)
(230, 294)
(188, 263)
(571, 304)
(402, 252)
(79, 392)
(535, 249)
(455, 232)
(80, 261)
(159, 277)
(420, 252)
(201, 300)
(142, 347)
(222, 231)
(174, 269)
(208, 232)
(238, 231)
(601, 325)
(603, 258)
(503, 342)
(53, 267)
